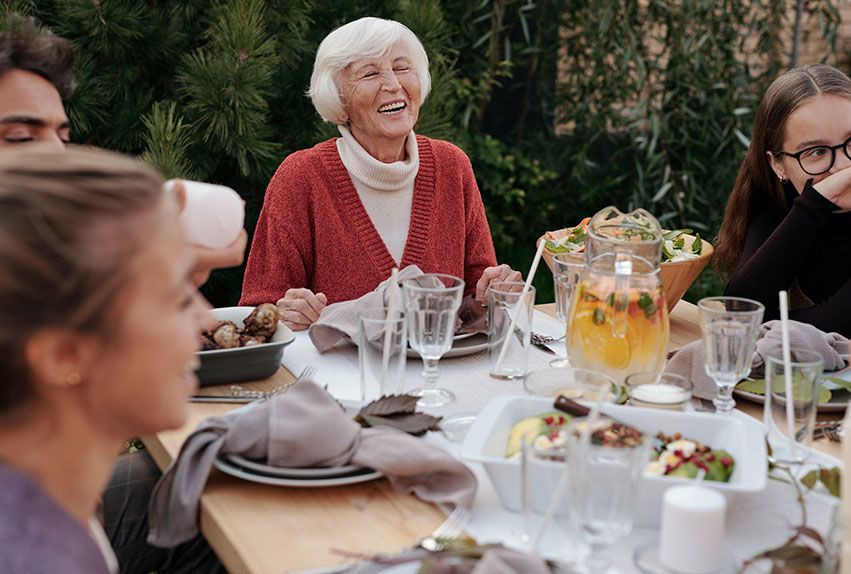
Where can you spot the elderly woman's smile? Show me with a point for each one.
(381, 97)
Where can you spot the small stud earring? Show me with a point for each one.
(74, 379)
(783, 179)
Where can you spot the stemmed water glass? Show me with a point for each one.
(730, 326)
(603, 481)
(567, 267)
(431, 305)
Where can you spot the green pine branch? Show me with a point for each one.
(167, 140)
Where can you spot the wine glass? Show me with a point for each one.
(603, 480)
(567, 267)
(431, 305)
(730, 326)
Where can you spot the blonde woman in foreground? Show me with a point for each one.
(98, 330)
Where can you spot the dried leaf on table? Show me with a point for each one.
(831, 478)
(809, 479)
(812, 533)
(391, 405)
(411, 423)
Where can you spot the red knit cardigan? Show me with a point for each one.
(314, 232)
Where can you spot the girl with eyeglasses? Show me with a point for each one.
(787, 224)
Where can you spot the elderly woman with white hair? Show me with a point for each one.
(338, 217)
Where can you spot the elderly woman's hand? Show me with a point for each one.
(301, 307)
(494, 275)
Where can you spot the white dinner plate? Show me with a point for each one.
(233, 470)
(466, 345)
(289, 472)
(463, 336)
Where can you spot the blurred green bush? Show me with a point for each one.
(564, 106)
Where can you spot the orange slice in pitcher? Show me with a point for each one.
(596, 339)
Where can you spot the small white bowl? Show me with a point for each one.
(240, 364)
(738, 434)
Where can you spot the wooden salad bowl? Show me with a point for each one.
(676, 276)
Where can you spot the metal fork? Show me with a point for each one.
(831, 430)
(451, 528)
(538, 338)
(242, 395)
(239, 391)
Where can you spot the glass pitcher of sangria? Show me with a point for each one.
(619, 319)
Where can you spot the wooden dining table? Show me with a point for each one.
(262, 529)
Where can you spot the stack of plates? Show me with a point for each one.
(255, 471)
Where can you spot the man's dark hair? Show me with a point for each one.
(25, 45)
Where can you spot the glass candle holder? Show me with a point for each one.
(659, 391)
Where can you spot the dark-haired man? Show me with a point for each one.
(36, 72)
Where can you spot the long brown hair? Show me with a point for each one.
(71, 223)
(757, 186)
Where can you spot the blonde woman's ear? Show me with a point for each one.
(60, 358)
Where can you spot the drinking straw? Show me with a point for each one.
(524, 476)
(389, 326)
(583, 443)
(520, 300)
(787, 372)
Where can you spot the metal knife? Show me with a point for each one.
(220, 399)
(543, 347)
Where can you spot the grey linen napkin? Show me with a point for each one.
(339, 321)
(832, 347)
(305, 427)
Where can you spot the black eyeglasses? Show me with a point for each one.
(819, 159)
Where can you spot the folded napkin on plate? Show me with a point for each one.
(832, 347)
(339, 321)
(305, 427)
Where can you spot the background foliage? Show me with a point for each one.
(564, 106)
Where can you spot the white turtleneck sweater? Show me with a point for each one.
(385, 189)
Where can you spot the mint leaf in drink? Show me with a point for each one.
(645, 302)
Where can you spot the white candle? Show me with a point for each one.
(664, 395)
(692, 535)
(213, 215)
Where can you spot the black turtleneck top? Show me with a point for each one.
(809, 244)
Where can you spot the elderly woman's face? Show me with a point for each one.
(381, 96)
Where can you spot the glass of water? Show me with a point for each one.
(730, 326)
(567, 267)
(604, 477)
(431, 306)
(798, 417)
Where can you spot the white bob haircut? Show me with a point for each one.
(364, 38)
